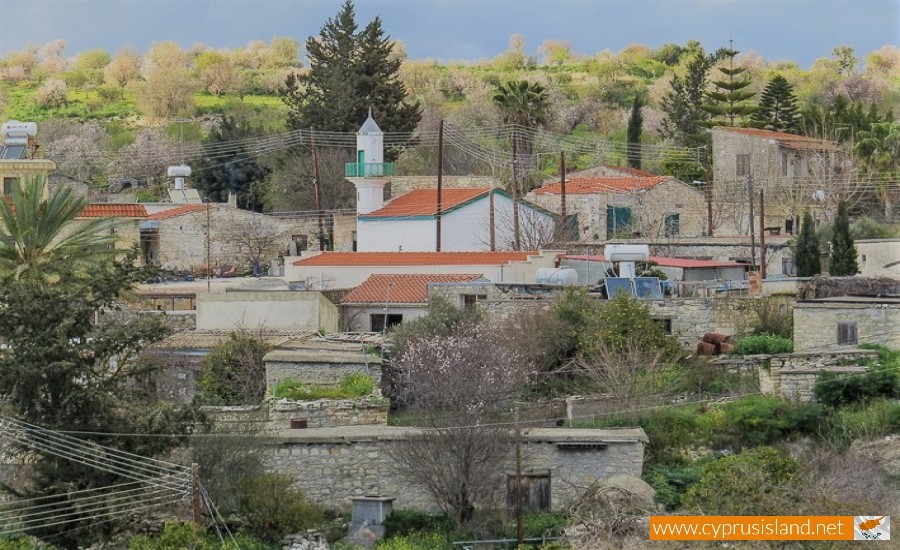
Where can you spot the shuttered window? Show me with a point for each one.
(535, 491)
(846, 334)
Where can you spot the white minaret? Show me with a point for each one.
(368, 173)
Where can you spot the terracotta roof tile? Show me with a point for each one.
(177, 211)
(791, 141)
(412, 258)
(109, 210)
(423, 202)
(592, 186)
(400, 289)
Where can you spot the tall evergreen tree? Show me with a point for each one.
(685, 119)
(238, 172)
(778, 107)
(727, 102)
(350, 71)
(807, 257)
(843, 249)
(635, 125)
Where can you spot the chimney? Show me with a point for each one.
(232, 199)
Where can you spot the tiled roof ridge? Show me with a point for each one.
(602, 184)
(177, 211)
(423, 201)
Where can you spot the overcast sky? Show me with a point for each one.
(801, 30)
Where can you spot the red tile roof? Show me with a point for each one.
(177, 211)
(791, 141)
(593, 186)
(663, 261)
(400, 289)
(110, 210)
(423, 202)
(412, 258)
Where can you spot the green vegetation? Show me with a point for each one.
(763, 344)
(272, 508)
(881, 381)
(234, 372)
(807, 255)
(178, 536)
(352, 386)
(843, 250)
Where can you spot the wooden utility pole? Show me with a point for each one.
(752, 220)
(318, 183)
(440, 180)
(762, 236)
(562, 193)
(517, 244)
(519, 527)
(195, 494)
(493, 233)
(709, 193)
(208, 258)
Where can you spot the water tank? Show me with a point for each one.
(17, 133)
(556, 276)
(180, 171)
(627, 252)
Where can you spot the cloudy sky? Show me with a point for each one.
(801, 30)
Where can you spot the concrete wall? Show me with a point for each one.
(879, 258)
(332, 277)
(815, 323)
(273, 310)
(331, 466)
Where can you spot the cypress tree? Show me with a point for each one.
(685, 118)
(806, 252)
(843, 250)
(778, 107)
(350, 71)
(635, 124)
(727, 103)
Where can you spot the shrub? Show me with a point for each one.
(763, 420)
(671, 483)
(178, 536)
(543, 524)
(52, 93)
(234, 372)
(773, 316)
(755, 482)
(357, 384)
(768, 344)
(417, 541)
(352, 386)
(835, 389)
(406, 522)
(273, 508)
(874, 419)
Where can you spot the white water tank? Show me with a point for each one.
(627, 252)
(179, 173)
(17, 133)
(556, 276)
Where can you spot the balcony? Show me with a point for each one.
(368, 169)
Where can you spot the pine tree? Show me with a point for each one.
(635, 124)
(350, 71)
(843, 250)
(807, 257)
(685, 119)
(778, 107)
(727, 103)
(238, 172)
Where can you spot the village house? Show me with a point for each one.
(385, 300)
(606, 208)
(846, 321)
(347, 270)
(795, 172)
(878, 257)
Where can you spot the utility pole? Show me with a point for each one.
(519, 529)
(709, 192)
(517, 245)
(437, 216)
(762, 236)
(493, 233)
(752, 235)
(195, 494)
(208, 259)
(318, 183)
(562, 193)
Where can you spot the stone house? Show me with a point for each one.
(606, 208)
(845, 322)
(385, 300)
(347, 270)
(796, 172)
(878, 257)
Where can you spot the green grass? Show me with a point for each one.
(352, 386)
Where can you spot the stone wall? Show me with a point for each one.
(793, 375)
(876, 321)
(330, 466)
(322, 413)
(318, 368)
(401, 185)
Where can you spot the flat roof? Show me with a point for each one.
(369, 432)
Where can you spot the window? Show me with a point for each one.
(671, 225)
(377, 321)
(743, 165)
(789, 226)
(784, 164)
(471, 300)
(618, 221)
(846, 334)
(354, 241)
(788, 268)
(8, 185)
(301, 242)
(665, 323)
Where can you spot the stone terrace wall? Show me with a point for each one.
(322, 413)
(793, 375)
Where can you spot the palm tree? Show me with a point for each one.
(878, 150)
(38, 232)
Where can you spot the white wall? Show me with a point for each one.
(874, 254)
(389, 235)
(290, 311)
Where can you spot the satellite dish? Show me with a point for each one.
(819, 195)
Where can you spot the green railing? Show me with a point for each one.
(368, 169)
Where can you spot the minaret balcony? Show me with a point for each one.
(368, 169)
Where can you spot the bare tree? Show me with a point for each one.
(258, 236)
(459, 386)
